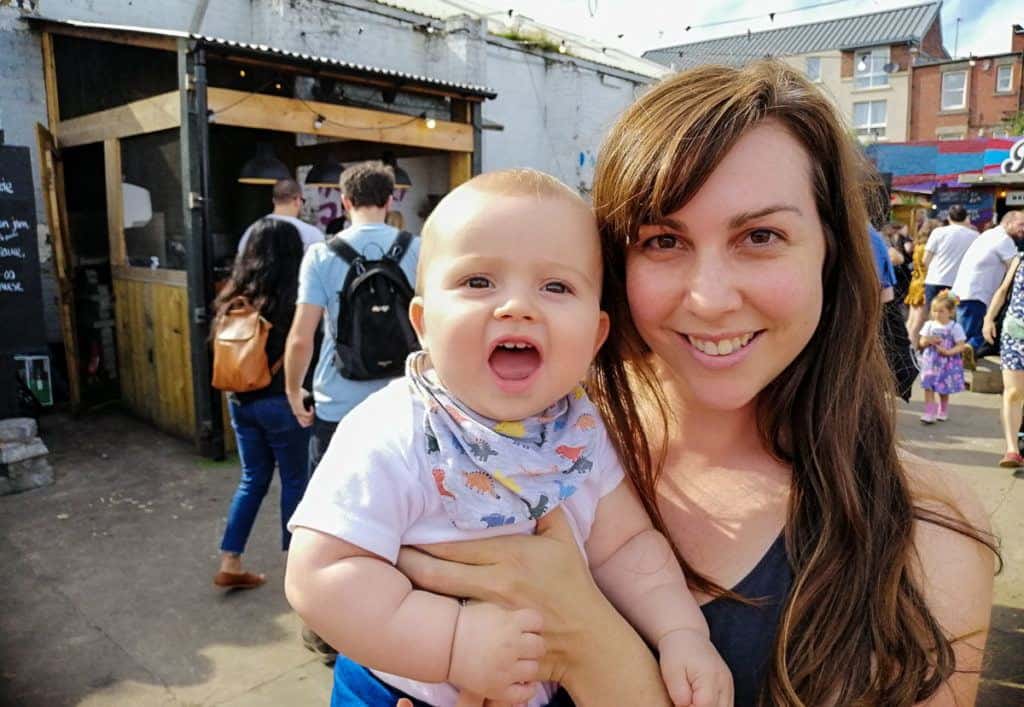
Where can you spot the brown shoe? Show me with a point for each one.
(238, 580)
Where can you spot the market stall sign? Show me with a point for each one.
(1014, 164)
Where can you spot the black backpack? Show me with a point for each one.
(373, 336)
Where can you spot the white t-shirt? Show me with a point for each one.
(309, 234)
(947, 245)
(374, 488)
(984, 265)
(933, 328)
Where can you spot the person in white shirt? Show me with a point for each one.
(944, 251)
(981, 270)
(288, 201)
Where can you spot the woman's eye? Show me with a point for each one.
(665, 241)
(478, 283)
(559, 288)
(762, 237)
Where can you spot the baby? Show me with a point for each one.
(488, 431)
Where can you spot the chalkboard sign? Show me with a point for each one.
(21, 299)
(979, 204)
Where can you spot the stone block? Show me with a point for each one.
(11, 452)
(25, 475)
(17, 429)
(987, 377)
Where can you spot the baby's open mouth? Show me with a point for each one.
(514, 359)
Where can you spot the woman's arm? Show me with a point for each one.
(591, 649)
(989, 324)
(955, 573)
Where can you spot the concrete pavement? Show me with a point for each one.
(107, 595)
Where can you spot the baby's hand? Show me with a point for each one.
(693, 671)
(495, 652)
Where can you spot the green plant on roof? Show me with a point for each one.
(538, 40)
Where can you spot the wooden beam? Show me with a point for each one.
(50, 82)
(115, 201)
(460, 168)
(100, 34)
(148, 115)
(253, 110)
(162, 276)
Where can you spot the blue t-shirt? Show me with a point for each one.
(320, 280)
(886, 272)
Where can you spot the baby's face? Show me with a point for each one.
(510, 310)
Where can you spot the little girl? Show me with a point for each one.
(942, 369)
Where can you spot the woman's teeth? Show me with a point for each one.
(512, 346)
(723, 348)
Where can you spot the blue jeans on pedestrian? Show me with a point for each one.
(267, 433)
(929, 294)
(970, 313)
(323, 430)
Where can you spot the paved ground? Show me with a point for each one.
(106, 594)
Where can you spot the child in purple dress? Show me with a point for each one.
(942, 369)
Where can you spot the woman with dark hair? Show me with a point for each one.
(746, 390)
(266, 431)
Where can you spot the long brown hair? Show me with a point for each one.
(855, 628)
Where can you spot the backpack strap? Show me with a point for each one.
(340, 247)
(399, 247)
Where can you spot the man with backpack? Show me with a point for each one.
(363, 306)
(359, 283)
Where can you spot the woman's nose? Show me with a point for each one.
(713, 289)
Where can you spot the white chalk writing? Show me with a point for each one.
(6, 187)
(12, 253)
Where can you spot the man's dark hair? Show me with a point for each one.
(957, 212)
(285, 190)
(368, 184)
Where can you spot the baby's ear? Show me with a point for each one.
(416, 317)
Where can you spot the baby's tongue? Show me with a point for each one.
(514, 364)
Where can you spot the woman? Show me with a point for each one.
(915, 293)
(1011, 354)
(266, 431)
(823, 560)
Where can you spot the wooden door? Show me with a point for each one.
(51, 172)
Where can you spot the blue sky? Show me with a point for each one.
(645, 24)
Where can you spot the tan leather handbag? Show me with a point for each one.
(240, 348)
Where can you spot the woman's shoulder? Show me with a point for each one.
(935, 488)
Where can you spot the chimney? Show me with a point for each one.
(1017, 40)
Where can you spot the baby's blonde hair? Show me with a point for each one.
(946, 299)
(504, 182)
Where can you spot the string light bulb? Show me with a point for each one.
(319, 121)
(972, 61)
(862, 65)
(241, 72)
(562, 49)
(431, 123)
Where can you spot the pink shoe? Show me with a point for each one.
(943, 413)
(930, 411)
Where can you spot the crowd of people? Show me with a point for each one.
(635, 454)
(959, 291)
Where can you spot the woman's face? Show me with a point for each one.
(727, 291)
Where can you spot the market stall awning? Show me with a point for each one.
(166, 39)
(923, 167)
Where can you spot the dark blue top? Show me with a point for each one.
(742, 634)
(883, 264)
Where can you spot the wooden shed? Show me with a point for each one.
(146, 133)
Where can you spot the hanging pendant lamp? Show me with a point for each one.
(325, 174)
(264, 167)
(402, 180)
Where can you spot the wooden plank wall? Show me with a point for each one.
(153, 350)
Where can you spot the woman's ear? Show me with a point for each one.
(416, 317)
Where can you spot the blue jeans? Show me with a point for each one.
(267, 432)
(929, 294)
(321, 437)
(355, 686)
(971, 315)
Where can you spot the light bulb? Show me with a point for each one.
(562, 49)
(862, 65)
(431, 123)
(241, 72)
(319, 122)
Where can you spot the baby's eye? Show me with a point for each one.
(478, 282)
(559, 288)
(762, 237)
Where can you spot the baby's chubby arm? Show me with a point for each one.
(368, 610)
(635, 567)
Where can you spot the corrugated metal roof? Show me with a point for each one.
(896, 26)
(265, 50)
(499, 21)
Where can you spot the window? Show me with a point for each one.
(1004, 78)
(1000, 132)
(813, 68)
(954, 90)
(869, 68)
(869, 118)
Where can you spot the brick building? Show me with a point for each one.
(863, 63)
(958, 99)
